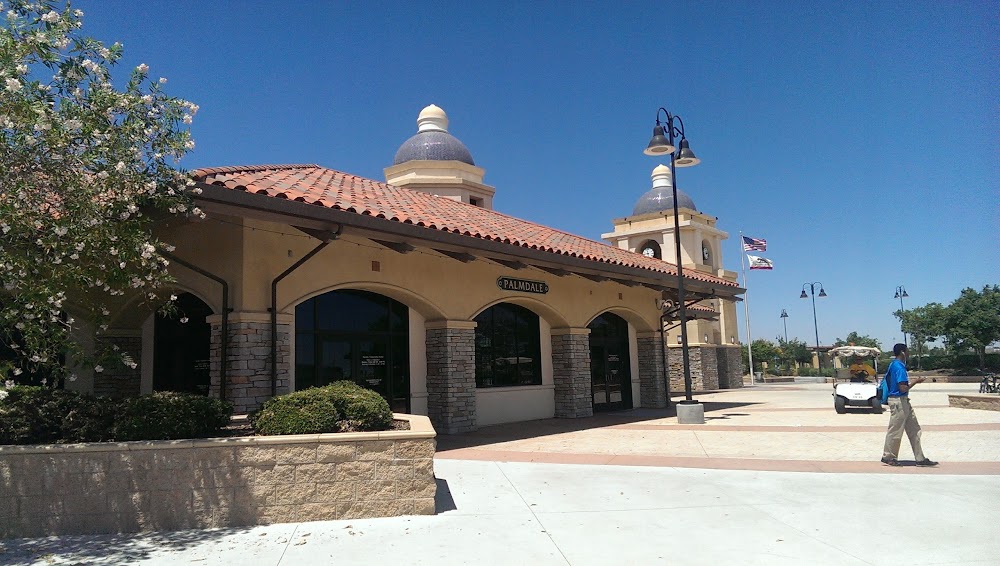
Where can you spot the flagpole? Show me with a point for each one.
(746, 306)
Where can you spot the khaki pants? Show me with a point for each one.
(902, 417)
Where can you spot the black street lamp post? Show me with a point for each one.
(812, 292)
(784, 322)
(662, 143)
(900, 293)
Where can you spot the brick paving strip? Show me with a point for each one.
(803, 428)
(948, 468)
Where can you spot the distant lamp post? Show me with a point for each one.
(665, 134)
(784, 321)
(901, 294)
(812, 292)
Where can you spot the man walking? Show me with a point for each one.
(901, 415)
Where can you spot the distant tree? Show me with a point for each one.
(858, 340)
(972, 321)
(793, 350)
(923, 324)
(763, 351)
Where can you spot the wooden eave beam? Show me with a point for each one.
(398, 247)
(458, 256)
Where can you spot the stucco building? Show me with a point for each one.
(417, 288)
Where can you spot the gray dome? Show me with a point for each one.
(433, 145)
(661, 199)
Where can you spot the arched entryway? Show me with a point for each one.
(610, 370)
(182, 344)
(358, 336)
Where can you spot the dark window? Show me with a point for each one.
(182, 348)
(508, 347)
(357, 336)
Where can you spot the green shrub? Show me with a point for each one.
(363, 409)
(310, 411)
(166, 415)
(42, 415)
(89, 419)
(32, 415)
(341, 407)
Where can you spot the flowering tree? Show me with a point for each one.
(85, 168)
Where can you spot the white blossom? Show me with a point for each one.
(143, 68)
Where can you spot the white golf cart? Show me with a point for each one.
(861, 390)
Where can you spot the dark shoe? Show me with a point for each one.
(927, 462)
(892, 461)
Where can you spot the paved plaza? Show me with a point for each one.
(775, 476)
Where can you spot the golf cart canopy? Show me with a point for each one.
(844, 351)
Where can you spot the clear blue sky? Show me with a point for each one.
(860, 139)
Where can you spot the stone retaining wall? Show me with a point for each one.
(984, 401)
(226, 482)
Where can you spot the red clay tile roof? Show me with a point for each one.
(341, 191)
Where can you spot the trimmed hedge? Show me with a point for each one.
(42, 415)
(166, 415)
(342, 406)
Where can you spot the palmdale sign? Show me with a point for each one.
(523, 285)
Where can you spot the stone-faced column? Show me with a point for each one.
(571, 372)
(709, 369)
(734, 366)
(704, 372)
(651, 383)
(248, 379)
(722, 366)
(451, 375)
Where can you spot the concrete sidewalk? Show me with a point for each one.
(731, 491)
(541, 514)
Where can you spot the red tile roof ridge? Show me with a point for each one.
(352, 193)
(204, 171)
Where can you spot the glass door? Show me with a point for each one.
(610, 371)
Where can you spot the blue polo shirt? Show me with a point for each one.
(894, 375)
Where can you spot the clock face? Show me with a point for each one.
(705, 254)
(648, 252)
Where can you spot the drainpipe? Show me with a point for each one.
(325, 239)
(224, 362)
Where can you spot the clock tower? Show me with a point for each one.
(650, 231)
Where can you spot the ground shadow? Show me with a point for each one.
(104, 549)
(443, 501)
(545, 427)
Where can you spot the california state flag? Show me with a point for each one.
(760, 262)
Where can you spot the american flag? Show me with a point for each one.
(754, 244)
